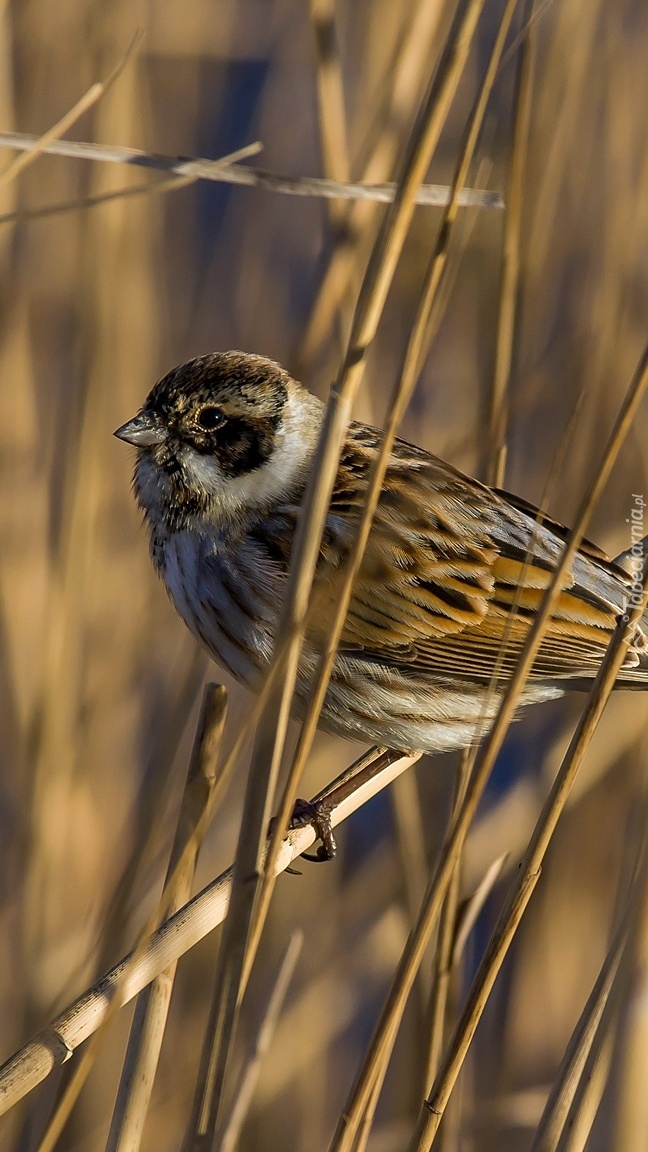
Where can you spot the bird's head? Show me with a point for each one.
(225, 435)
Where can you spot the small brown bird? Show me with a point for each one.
(451, 578)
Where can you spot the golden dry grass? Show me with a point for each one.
(99, 685)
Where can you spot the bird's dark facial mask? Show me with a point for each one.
(240, 444)
(230, 413)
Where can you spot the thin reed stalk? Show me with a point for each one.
(151, 1010)
(525, 881)
(249, 873)
(380, 1047)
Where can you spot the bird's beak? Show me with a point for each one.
(143, 431)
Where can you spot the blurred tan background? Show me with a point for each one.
(99, 682)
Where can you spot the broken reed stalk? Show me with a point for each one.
(151, 1010)
(485, 756)
(271, 731)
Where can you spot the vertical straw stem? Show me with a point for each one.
(248, 866)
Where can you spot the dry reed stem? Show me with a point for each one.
(332, 124)
(366, 1123)
(397, 406)
(263, 1038)
(588, 1093)
(572, 1067)
(470, 910)
(178, 868)
(403, 86)
(44, 143)
(149, 813)
(149, 189)
(149, 1021)
(408, 816)
(528, 875)
(434, 1108)
(330, 101)
(271, 731)
(486, 754)
(511, 254)
(62, 643)
(422, 332)
(436, 1015)
(631, 1109)
(575, 35)
(452, 952)
(434, 195)
(578, 1125)
(22, 216)
(55, 1044)
(576, 1097)
(71, 1094)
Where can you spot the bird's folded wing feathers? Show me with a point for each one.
(449, 585)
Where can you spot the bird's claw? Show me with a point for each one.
(319, 816)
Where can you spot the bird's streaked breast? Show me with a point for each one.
(228, 598)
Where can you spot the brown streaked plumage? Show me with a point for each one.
(225, 445)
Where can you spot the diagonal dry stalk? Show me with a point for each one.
(271, 731)
(177, 872)
(445, 958)
(427, 317)
(249, 1076)
(594, 1048)
(528, 875)
(629, 1050)
(570, 1073)
(48, 140)
(591, 1086)
(575, 1097)
(458, 938)
(422, 332)
(374, 771)
(394, 1006)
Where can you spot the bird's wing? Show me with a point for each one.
(453, 574)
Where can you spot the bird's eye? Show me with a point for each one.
(210, 418)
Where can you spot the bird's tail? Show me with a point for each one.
(631, 561)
